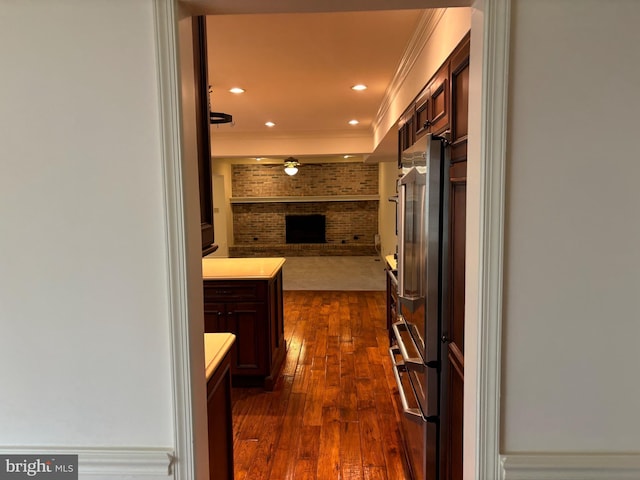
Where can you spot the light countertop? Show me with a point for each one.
(216, 346)
(391, 261)
(241, 268)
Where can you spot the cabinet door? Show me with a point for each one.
(276, 319)
(406, 132)
(423, 120)
(214, 317)
(247, 320)
(203, 133)
(452, 418)
(438, 100)
(460, 101)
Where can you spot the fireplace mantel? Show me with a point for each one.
(306, 199)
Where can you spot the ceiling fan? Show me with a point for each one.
(291, 166)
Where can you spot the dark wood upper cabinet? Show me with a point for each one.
(423, 108)
(460, 100)
(437, 94)
(406, 131)
(441, 105)
(203, 134)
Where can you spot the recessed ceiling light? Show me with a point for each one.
(258, 158)
(270, 124)
(236, 90)
(347, 156)
(359, 87)
(353, 122)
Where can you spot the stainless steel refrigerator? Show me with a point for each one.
(416, 352)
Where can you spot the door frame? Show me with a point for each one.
(491, 35)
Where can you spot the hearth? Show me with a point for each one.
(305, 229)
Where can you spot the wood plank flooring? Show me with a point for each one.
(333, 413)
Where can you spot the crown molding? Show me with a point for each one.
(427, 24)
(311, 134)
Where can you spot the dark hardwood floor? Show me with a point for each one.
(332, 414)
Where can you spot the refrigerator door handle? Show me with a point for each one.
(413, 414)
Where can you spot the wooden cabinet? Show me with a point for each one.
(459, 64)
(441, 105)
(429, 113)
(201, 90)
(432, 106)
(392, 299)
(406, 131)
(452, 392)
(219, 421)
(251, 309)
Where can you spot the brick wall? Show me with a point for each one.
(259, 228)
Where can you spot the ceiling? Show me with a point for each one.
(297, 67)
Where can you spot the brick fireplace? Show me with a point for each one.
(344, 194)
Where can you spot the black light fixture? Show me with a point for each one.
(216, 118)
(291, 166)
(219, 117)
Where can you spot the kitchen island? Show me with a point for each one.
(217, 363)
(243, 296)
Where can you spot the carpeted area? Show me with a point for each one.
(334, 273)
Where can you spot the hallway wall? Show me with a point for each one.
(84, 350)
(572, 268)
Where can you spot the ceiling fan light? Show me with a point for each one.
(291, 166)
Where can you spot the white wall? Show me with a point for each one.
(473, 242)
(220, 217)
(223, 217)
(572, 277)
(84, 349)
(387, 179)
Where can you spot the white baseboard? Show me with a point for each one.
(571, 467)
(109, 462)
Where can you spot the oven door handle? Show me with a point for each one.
(409, 361)
(413, 414)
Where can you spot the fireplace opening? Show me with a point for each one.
(305, 229)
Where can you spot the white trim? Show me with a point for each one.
(493, 149)
(114, 462)
(492, 197)
(571, 467)
(306, 199)
(170, 114)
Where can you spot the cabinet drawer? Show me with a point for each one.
(230, 290)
